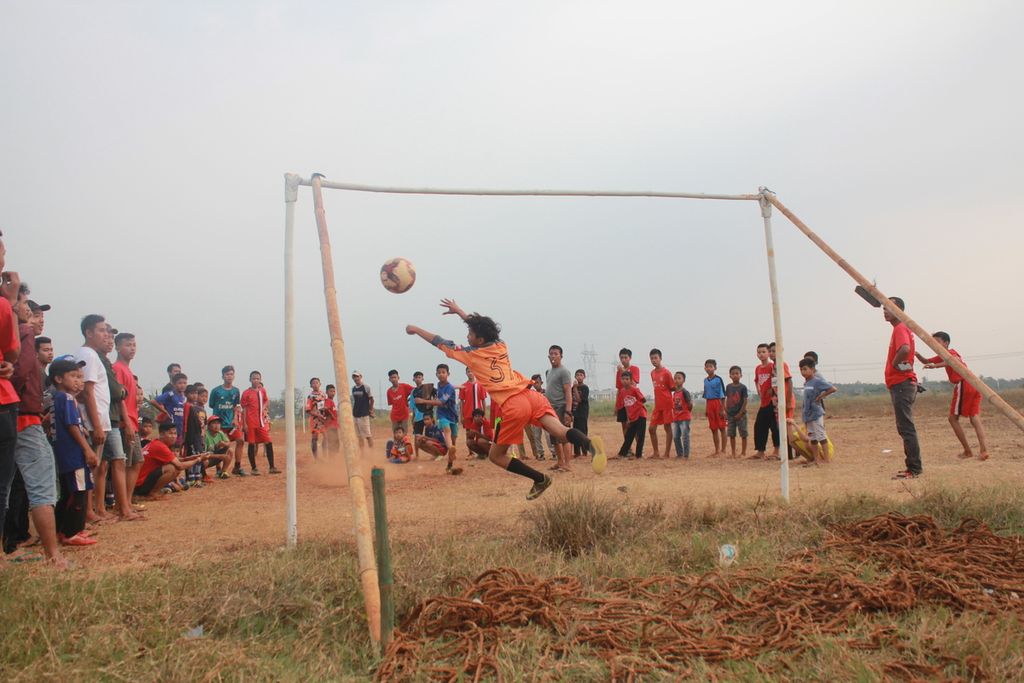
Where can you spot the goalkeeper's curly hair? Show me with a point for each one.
(483, 327)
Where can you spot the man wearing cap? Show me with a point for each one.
(10, 349)
(362, 409)
(33, 453)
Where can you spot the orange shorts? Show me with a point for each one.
(966, 400)
(662, 415)
(525, 408)
(715, 418)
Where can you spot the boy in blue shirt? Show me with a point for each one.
(447, 412)
(171, 403)
(815, 391)
(714, 396)
(72, 451)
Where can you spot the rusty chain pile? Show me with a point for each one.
(659, 625)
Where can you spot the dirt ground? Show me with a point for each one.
(424, 501)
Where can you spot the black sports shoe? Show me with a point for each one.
(539, 488)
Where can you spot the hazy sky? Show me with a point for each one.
(143, 146)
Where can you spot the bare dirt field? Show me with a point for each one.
(424, 502)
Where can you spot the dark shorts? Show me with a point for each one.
(417, 427)
(146, 487)
(620, 415)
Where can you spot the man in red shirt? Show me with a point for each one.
(124, 344)
(664, 384)
(10, 349)
(966, 400)
(902, 384)
(398, 399)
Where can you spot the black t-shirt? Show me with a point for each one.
(361, 401)
(117, 392)
(583, 407)
(426, 392)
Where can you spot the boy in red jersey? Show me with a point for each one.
(315, 401)
(636, 414)
(790, 399)
(966, 400)
(625, 365)
(398, 399)
(682, 412)
(765, 421)
(256, 417)
(479, 435)
(472, 397)
(488, 356)
(331, 439)
(663, 383)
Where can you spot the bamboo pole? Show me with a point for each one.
(995, 399)
(780, 364)
(387, 581)
(291, 191)
(349, 444)
(529, 193)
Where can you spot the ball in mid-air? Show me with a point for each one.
(397, 275)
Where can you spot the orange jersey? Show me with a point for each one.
(490, 365)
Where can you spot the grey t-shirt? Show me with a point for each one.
(556, 379)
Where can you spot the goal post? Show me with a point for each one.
(765, 199)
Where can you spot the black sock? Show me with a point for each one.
(252, 455)
(517, 466)
(577, 438)
(269, 450)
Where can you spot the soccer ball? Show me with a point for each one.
(397, 275)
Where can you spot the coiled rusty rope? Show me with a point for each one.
(662, 624)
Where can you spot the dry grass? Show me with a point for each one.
(274, 615)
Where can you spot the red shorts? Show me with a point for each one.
(257, 435)
(716, 420)
(522, 409)
(236, 435)
(661, 416)
(966, 400)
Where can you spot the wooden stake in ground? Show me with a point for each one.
(349, 444)
(988, 392)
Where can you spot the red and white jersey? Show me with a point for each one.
(256, 407)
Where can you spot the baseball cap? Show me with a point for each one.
(35, 308)
(356, 373)
(64, 364)
(212, 418)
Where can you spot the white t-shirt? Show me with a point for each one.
(93, 371)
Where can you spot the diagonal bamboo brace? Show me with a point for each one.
(988, 392)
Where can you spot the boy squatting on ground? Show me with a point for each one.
(966, 400)
(815, 391)
(488, 357)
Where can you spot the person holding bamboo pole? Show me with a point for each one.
(902, 384)
(488, 357)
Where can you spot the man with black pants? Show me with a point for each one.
(902, 384)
